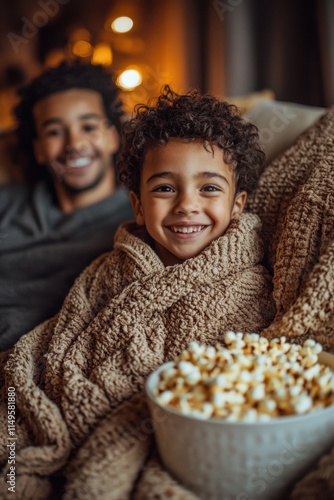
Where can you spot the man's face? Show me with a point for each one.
(74, 139)
(187, 198)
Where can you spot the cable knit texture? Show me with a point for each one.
(83, 428)
(295, 200)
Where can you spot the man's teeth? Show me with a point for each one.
(78, 162)
(188, 229)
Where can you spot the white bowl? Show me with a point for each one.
(241, 461)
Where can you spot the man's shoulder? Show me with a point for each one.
(120, 197)
(10, 193)
(116, 207)
(9, 189)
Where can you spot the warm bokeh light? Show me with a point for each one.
(128, 45)
(79, 34)
(122, 24)
(102, 54)
(81, 48)
(129, 79)
(54, 57)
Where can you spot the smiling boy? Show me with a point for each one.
(186, 198)
(189, 163)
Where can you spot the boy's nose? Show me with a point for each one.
(187, 204)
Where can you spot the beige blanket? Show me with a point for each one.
(83, 429)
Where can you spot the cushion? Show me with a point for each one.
(280, 123)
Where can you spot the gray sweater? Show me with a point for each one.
(43, 250)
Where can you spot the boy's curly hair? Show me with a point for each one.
(195, 117)
(66, 76)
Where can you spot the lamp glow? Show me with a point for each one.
(122, 24)
(102, 54)
(129, 79)
(81, 48)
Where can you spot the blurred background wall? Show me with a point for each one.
(226, 47)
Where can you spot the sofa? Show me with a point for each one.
(280, 123)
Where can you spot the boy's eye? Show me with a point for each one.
(163, 189)
(210, 188)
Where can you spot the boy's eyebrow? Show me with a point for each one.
(159, 175)
(56, 121)
(211, 175)
(207, 174)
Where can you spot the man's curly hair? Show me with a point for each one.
(191, 116)
(66, 76)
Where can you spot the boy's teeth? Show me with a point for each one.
(79, 162)
(191, 229)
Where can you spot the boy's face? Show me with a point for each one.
(73, 138)
(187, 198)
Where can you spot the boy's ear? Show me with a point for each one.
(239, 204)
(137, 208)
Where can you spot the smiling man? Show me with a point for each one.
(76, 141)
(68, 127)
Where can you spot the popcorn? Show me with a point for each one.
(257, 393)
(250, 380)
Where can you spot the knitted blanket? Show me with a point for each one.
(82, 424)
(295, 199)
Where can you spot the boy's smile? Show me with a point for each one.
(187, 198)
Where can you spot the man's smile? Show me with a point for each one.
(79, 162)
